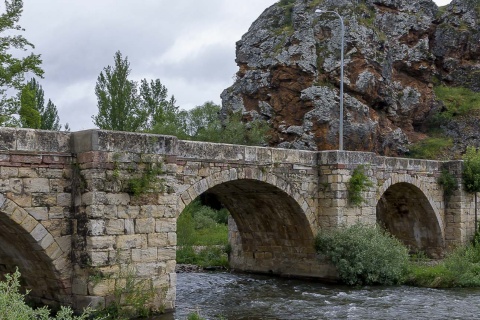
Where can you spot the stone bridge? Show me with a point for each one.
(82, 212)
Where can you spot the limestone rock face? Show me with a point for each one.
(289, 70)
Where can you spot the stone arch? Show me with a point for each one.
(273, 229)
(406, 210)
(43, 262)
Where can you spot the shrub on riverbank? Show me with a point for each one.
(13, 306)
(461, 268)
(364, 255)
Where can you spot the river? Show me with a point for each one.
(241, 297)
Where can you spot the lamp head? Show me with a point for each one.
(318, 11)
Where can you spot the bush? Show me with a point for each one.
(364, 255)
(357, 184)
(13, 306)
(461, 268)
(448, 182)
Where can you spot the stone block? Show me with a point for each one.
(39, 213)
(129, 226)
(172, 238)
(118, 199)
(96, 227)
(144, 255)
(29, 223)
(79, 286)
(166, 225)
(158, 240)
(115, 226)
(101, 242)
(19, 215)
(128, 212)
(167, 253)
(64, 199)
(135, 241)
(27, 173)
(98, 258)
(145, 225)
(36, 185)
(56, 213)
(22, 200)
(54, 251)
(46, 241)
(101, 288)
(39, 232)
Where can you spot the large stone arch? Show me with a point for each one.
(44, 263)
(274, 225)
(407, 210)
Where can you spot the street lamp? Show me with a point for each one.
(342, 36)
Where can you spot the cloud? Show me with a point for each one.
(188, 45)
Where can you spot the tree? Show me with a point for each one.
(50, 119)
(471, 175)
(118, 102)
(13, 69)
(32, 106)
(29, 114)
(204, 124)
(162, 115)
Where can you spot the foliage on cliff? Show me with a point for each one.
(408, 64)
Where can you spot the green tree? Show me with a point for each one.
(14, 68)
(204, 124)
(29, 115)
(162, 115)
(118, 101)
(32, 98)
(471, 175)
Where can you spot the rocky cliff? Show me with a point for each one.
(396, 51)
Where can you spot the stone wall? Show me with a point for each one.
(35, 211)
(83, 214)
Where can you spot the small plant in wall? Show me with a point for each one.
(148, 180)
(448, 182)
(358, 183)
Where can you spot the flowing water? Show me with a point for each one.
(241, 296)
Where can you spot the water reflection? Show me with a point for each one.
(241, 297)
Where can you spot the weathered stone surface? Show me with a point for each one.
(80, 228)
(289, 71)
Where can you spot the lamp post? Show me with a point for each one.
(342, 36)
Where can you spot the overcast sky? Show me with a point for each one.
(188, 45)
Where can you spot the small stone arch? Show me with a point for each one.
(407, 210)
(44, 263)
(274, 226)
(233, 174)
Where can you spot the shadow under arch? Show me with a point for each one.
(273, 226)
(408, 213)
(25, 244)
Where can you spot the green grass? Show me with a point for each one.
(430, 148)
(201, 226)
(461, 268)
(458, 101)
